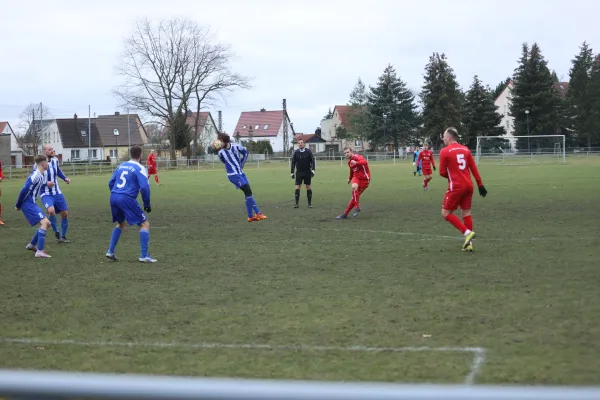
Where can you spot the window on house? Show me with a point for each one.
(256, 127)
(266, 127)
(93, 153)
(83, 133)
(74, 154)
(113, 153)
(244, 127)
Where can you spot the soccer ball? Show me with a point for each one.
(216, 144)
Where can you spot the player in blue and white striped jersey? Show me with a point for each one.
(52, 197)
(234, 156)
(34, 215)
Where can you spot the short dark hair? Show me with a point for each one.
(135, 152)
(348, 148)
(223, 137)
(452, 131)
(40, 158)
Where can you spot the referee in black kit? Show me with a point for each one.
(303, 162)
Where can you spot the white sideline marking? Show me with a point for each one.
(476, 365)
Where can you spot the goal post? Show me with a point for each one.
(521, 150)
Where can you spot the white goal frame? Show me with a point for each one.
(562, 153)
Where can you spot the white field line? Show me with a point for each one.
(476, 365)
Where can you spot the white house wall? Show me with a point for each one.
(503, 104)
(83, 154)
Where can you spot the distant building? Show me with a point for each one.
(264, 125)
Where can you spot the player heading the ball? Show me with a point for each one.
(234, 156)
(457, 165)
(360, 177)
(129, 180)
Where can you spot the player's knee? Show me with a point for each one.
(307, 187)
(121, 225)
(298, 187)
(246, 189)
(64, 214)
(51, 211)
(354, 187)
(145, 225)
(445, 213)
(465, 213)
(45, 224)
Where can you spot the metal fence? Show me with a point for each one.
(209, 162)
(62, 385)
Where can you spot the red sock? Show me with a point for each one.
(425, 182)
(356, 195)
(350, 205)
(156, 178)
(468, 222)
(456, 222)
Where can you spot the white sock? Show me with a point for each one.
(467, 232)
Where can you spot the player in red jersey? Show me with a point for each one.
(457, 165)
(360, 177)
(152, 170)
(1, 179)
(426, 157)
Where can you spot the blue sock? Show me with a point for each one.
(41, 234)
(144, 242)
(64, 225)
(249, 201)
(52, 219)
(255, 206)
(114, 239)
(34, 240)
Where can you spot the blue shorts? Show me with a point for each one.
(55, 200)
(32, 212)
(126, 208)
(238, 180)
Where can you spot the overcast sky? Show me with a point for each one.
(63, 53)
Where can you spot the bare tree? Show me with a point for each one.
(169, 65)
(33, 122)
(155, 133)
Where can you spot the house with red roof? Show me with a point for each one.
(329, 127)
(264, 125)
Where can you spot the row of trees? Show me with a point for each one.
(390, 113)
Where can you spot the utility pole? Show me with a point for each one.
(128, 131)
(90, 134)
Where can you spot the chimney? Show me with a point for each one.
(75, 116)
(262, 110)
(117, 113)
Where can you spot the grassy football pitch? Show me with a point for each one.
(387, 296)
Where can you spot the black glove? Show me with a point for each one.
(434, 168)
(148, 209)
(482, 191)
(292, 175)
(312, 173)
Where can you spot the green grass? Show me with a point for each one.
(393, 277)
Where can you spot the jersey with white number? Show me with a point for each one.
(131, 178)
(457, 164)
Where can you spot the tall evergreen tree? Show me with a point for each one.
(579, 96)
(594, 96)
(533, 92)
(392, 98)
(500, 87)
(329, 114)
(358, 118)
(441, 99)
(481, 117)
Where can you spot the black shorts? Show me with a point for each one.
(303, 177)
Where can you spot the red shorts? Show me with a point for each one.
(458, 198)
(362, 184)
(152, 171)
(427, 171)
